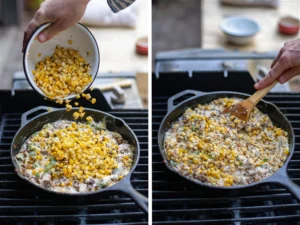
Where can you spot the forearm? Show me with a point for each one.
(118, 5)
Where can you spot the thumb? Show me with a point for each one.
(50, 32)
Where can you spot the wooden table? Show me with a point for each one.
(268, 39)
(117, 45)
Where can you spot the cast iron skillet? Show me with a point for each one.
(174, 112)
(28, 127)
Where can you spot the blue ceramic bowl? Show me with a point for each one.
(239, 30)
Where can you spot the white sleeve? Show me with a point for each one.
(118, 5)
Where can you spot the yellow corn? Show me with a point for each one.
(62, 74)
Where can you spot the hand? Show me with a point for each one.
(285, 66)
(61, 13)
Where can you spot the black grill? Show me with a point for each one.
(177, 201)
(21, 203)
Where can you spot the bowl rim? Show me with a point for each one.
(29, 75)
(223, 27)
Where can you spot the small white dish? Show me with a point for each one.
(239, 30)
(82, 40)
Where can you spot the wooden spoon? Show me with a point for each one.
(243, 109)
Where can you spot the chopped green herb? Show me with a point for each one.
(47, 168)
(265, 160)
(35, 165)
(194, 129)
(50, 164)
(52, 159)
(31, 147)
(38, 175)
(101, 184)
(238, 159)
(98, 128)
(104, 121)
(20, 156)
(173, 163)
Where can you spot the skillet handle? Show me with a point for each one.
(24, 118)
(171, 100)
(137, 197)
(286, 182)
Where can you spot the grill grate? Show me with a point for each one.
(22, 204)
(177, 201)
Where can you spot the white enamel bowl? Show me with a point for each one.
(82, 40)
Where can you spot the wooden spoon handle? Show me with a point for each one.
(258, 95)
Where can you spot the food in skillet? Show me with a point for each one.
(64, 73)
(70, 157)
(209, 146)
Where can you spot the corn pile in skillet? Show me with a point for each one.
(209, 146)
(75, 157)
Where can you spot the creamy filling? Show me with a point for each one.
(75, 157)
(207, 145)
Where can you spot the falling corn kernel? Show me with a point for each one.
(76, 104)
(70, 41)
(81, 109)
(93, 101)
(88, 96)
(76, 115)
(39, 55)
(88, 53)
(82, 114)
(49, 109)
(89, 119)
(59, 101)
(77, 96)
(68, 107)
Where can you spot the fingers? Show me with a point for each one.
(274, 73)
(28, 32)
(51, 31)
(288, 74)
(277, 58)
(38, 20)
(286, 45)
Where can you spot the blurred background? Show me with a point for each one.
(122, 40)
(212, 29)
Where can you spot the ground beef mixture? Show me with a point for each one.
(220, 150)
(72, 157)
